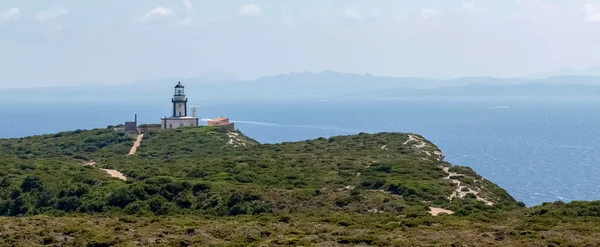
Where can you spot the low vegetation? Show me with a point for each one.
(190, 186)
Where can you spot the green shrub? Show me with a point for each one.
(68, 204)
(159, 206)
(197, 173)
(372, 183)
(32, 183)
(184, 199)
(19, 206)
(200, 188)
(245, 177)
(121, 197)
(383, 168)
(171, 190)
(136, 208)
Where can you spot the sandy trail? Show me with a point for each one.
(112, 173)
(115, 174)
(136, 144)
(420, 144)
(435, 211)
(410, 138)
(459, 193)
(235, 140)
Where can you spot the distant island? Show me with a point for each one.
(209, 186)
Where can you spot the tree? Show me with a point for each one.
(171, 190)
(68, 204)
(121, 197)
(45, 199)
(19, 206)
(4, 207)
(200, 188)
(32, 183)
(197, 173)
(383, 168)
(159, 206)
(184, 199)
(136, 208)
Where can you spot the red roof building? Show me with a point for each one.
(221, 122)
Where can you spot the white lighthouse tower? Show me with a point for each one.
(179, 101)
(179, 117)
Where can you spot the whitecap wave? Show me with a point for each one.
(321, 127)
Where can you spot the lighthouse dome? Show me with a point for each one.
(179, 85)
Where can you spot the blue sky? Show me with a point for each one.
(71, 42)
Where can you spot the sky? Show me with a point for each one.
(73, 42)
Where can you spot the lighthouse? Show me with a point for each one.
(179, 101)
(179, 117)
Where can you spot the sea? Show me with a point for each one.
(538, 149)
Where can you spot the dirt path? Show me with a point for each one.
(112, 173)
(115, 174)
(435, 211)
(459, 193)
(235, 140)
(410, 138)
(420, 143)
(136, 144)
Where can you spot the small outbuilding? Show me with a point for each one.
(131, 126)
(222, 122)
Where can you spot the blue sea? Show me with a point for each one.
(537, 149)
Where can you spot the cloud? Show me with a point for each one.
(50, 17)
(51, 14)
(353, 13)
(472, 8)
(156, 13)
(10, 14)
(592, 12)
(428, 13)
(189, 19)
(469, 7)
(250, 10)
(188, 4)
(195, 21)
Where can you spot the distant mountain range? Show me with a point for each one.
(325, 85)
(589, 71)
(531, 89)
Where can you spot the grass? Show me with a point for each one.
(325, 229)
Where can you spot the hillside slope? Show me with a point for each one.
(212, 171)
(207, 186)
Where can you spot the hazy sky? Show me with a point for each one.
(54, 42)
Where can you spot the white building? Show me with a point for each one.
(179, 117)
